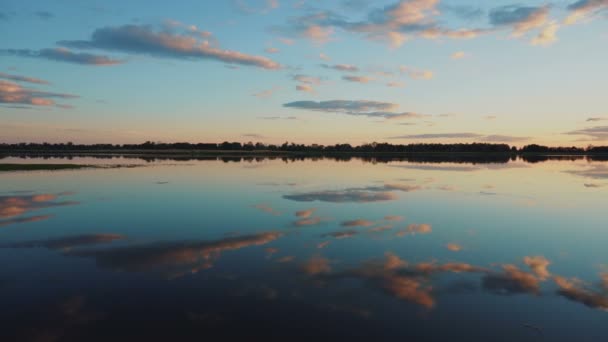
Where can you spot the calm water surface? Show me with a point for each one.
(302, 249)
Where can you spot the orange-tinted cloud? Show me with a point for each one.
(316, 265)
(575, 290)
(511, 281)
(267, 209)
(454, 247)
(305, 213)
(12, 207)
(414, 229)
(357, 223)
(344, 234)
(13, 93)
(172, 258)
(538, 265)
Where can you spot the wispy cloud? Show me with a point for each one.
(173, 259)
(357, 79)
(44, 15)
(13, 93)
(520, 19)
(393, 25)
(134, 39)
(341, 67)
(64, 55)
(367, 108)
(582, 9)
(19, 78)
(597, 132)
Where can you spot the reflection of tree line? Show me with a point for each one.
(235, 158)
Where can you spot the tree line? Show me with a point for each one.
(316, 148)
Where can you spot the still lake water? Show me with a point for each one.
(202, 249)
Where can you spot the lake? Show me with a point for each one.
(420, 249)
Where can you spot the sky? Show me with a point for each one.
(304, 71)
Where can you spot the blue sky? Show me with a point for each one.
(304, 70)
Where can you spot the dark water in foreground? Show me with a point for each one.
(205, 250)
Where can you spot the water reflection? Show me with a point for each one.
(407, 250)
(14, 209)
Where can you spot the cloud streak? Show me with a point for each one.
(134, 39)
(64, 55)
(373, 109)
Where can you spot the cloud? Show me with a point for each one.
(286, 41)
(307, 221)
(306, 213)
(357, 79)
(267, 209)
(68, 242)
(503, 138)
(316, 265)
(342, 196)
(19, 78)
(454, 247)
(253, 135)
(575, 290)
(538, 265)
(305, 87)
(341, 67)
(511, 281)
(64, 55)
(173, 259)
(357, 195)
(393, 24)
(597, 171)
(520, 19)
(344, 234)
(393, 277)
(547, 36)
(14, 208)
(323, 244)
(585, 8)
(324, 56)
(458, 55)
(13, 93)
(373, 109)
(466, 12)
(593, 119)
(44, 15)
(416, 74)
(318, 34)
(439, 136)
(134, 39)
(597, 132)
(414, 229)
(277, 118)
(17, 220)
(264, 94)
(306, 79)
(357, 223)
(396, 84)
(464, 135)
(272, 50)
